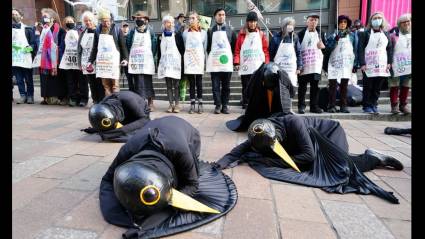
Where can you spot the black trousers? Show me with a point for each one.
(96, 87)
(173, 90)
(303, 80)
(195, 81)
(139, 85)
(371, 90)
(221, 97)
(245, 81)
(78, 88)
(342, 90)
(148, 84)
(130, 79)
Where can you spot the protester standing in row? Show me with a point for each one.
(375, 56)
(251, 51)
(23, 51)
(312, 57)
(170, 61)
(85, 46)
(141, 43)
(195, 42)
(130, 78)
(47, 59)
(220, 49)
(109, 49)
(401, 66)
(342, 46)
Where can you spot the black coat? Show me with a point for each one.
(258, 105)
(178, 144)
(130, 109)
(319, 148)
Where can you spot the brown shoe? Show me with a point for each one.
(170, 108)
(176, 108)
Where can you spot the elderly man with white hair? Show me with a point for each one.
(85, 46)
(170, 52)
(402, 65)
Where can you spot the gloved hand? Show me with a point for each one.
(28, 49)
(89, 130)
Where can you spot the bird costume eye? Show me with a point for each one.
(106, 122)
(150, 195)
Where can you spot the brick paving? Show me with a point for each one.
(57, 170)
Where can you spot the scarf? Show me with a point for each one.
(49, 52)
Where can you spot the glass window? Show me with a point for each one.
(233, 7)
(207, 7)
(275, 5)
(173, 7)
(148, 6)
(311, 4)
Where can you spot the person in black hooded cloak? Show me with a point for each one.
(269, 92)
(157, 186)
(118, 116)
(316, 148)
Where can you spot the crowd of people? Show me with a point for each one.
(73, 61)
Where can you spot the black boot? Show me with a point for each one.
(385, 160)
(397, 131)
(200, 107)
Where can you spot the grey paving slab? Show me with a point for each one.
(295, 229)
(87, 179)
(349, 197)
(65, 233)
(402, 186)
(250, 184)
(352, 220)
(24, 149)
(214, 228)
(68, 167)
(401, 229)
(21, 170)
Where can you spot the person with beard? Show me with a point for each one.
(118, 116)
(48, 57)
(23, 51)
(251, 51)
(220, 49)
(342, 48)
(109, 52)
(78, 91)
(141, 43)
(85, 46)
(309, 151)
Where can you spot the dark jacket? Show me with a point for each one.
(118, 39)
(275, 43)
(231, 36)
(179, 44)
(332, 40)
(130, 38)
(80, 49)
(62, 44)
(364, 40)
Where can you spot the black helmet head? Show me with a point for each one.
(102, 118)
(271, 76)
(140, 188)
(262, 135)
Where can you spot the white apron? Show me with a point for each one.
(140, 60)
(341, 60)
(170, 64)
(311, 55)
(376, 55)
(69, 59)
(251, 55)
(402, 61)
(87, 46)
(194, 55)
(286, 58)
(37, 58)
(220, 58)
(19, 41)
(107, 58)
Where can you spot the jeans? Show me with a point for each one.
(223, 78)
(173, 90)
(24, 77)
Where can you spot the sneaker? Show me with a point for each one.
(170, 108)
(217, 109)
(368, 110)
(176, 108)
(225, 109)
(375, 110)
(192, 108)
(21, 100)
(200, 108)
(30, 100)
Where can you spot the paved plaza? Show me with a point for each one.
(57, 171)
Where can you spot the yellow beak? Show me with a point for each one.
(119, 125)
(182, 201)
(279, 150)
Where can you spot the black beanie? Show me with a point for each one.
(252, 16)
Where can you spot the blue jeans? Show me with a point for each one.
(24, 77)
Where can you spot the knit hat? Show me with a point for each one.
(252, 16)
(103, 13)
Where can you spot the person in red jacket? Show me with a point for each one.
(251, 51)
